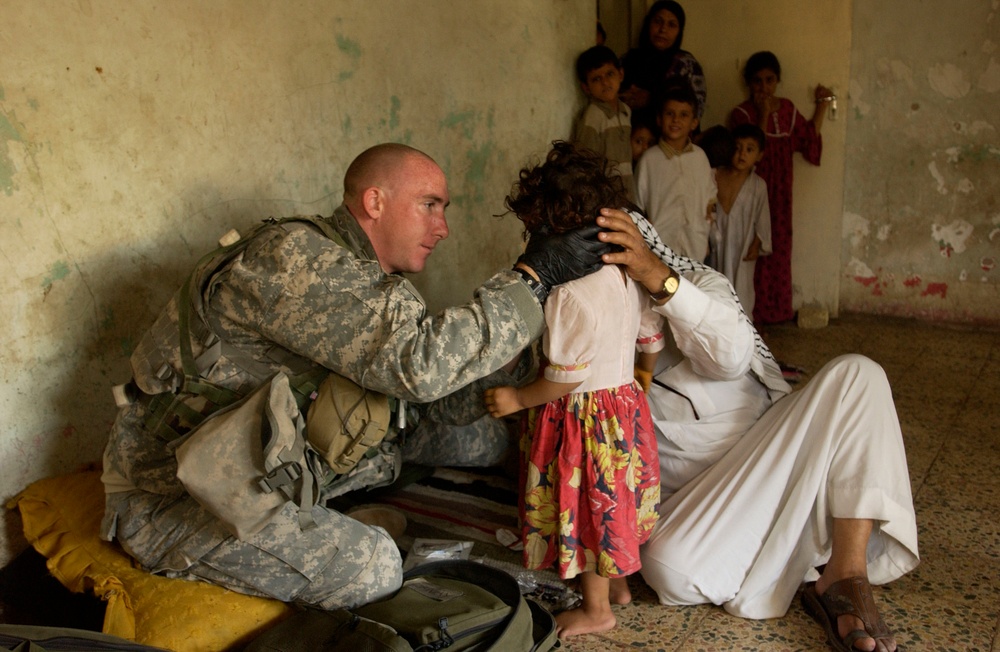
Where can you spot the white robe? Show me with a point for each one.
(749, 217)
(754, 485)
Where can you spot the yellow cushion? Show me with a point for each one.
(62, 517)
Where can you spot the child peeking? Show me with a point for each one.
(589, 469)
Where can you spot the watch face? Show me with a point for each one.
(671, 284)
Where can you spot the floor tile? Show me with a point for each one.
(722, 632)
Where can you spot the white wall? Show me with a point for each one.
(133, 134)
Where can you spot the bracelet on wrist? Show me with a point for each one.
(537, 287)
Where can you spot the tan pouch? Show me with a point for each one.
(345, 421)
(246, 461)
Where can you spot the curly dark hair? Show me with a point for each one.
(566, 191)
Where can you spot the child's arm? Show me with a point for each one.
(501, 401)
(645, 364)
(753, 251)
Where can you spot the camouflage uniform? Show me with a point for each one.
(295, 298)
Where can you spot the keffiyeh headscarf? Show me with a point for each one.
(763, 365)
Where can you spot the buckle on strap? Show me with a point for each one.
(280, 476)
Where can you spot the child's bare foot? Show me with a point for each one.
(582, 621)
(619, 592)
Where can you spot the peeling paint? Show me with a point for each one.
(856, 228)
(57, 271)
(394, 105)
(352, 49)
(8, 134)
(964, 186)
(935, 289)
(952, 237)
(963, 276)
(949, 80)
(854, 92)
(883, 232)
(989, 81)
(463, 119)
(987, 264)
(979, 126)
(858, 269)
(479, 158)
(941, 186)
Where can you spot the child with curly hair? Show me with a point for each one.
(589, 469)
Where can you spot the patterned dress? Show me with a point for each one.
(787, 132)
(590, 469)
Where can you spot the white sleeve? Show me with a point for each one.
(708, 327)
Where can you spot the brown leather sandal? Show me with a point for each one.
(852, 596)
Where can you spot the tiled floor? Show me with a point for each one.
(946, 382)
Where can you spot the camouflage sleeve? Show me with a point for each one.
(298, 289)
(466, 405)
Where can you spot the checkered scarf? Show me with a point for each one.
(763, 365)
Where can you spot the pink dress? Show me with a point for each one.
(590, 470)
(787, 132)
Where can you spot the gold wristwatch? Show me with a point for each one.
(670, 285)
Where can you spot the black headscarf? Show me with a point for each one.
(645, 66)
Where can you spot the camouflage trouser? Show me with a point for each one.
(338, 563)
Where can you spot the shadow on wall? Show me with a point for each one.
(129, 286)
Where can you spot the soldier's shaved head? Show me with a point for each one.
(376, 166)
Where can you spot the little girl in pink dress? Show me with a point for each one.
(589, 469)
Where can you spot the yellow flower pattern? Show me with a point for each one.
(591, 482)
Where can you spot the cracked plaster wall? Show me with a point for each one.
(133, 135)
(921, 228)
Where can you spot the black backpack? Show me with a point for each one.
(444, 605)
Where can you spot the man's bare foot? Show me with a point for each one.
(582, 621)
(858, 595)
(619, 592)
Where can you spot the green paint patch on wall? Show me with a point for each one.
(463, 119)
(393, 120)
(352, 49)
(475, 177)
(980, 153)
(57, 271)
(8, 134)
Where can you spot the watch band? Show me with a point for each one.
(670, 286)
(537, 288)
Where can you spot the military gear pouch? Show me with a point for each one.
(345, 421)
(445, 605)
(246, 461)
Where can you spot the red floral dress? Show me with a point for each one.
(787, 132)
(590, 471)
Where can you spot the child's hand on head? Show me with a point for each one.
(501, 401)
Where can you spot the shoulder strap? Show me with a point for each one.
(190, 311)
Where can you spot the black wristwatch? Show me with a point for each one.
(537, 288)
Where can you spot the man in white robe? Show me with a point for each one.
(762, 486)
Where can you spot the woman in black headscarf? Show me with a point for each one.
(659, 59)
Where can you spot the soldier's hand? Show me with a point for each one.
(566, 256)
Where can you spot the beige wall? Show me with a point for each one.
(133, 134)
(813, 46)
(921, 233)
